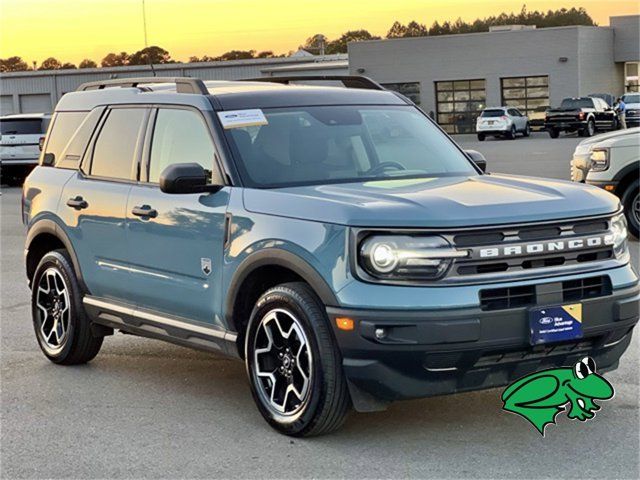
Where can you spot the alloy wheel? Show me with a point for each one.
(282, 363)
(635, 208)
(53, 303)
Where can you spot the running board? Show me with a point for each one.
(145, 323)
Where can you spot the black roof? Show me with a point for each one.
(244, 95)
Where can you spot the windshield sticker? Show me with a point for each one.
(407, 182)
(242, 118)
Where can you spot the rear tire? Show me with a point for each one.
(631, 202)
(554, 132)
(288, 340)
(62, 327)
(527, 130)
(589, 130)
(481, 137)
(511, 135)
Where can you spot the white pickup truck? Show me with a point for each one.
(612, 161)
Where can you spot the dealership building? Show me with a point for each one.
(452, 77)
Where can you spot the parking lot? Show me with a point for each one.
(148, 409)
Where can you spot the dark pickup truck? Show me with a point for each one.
(586, 115)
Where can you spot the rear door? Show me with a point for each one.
(176, 241)
(93, 203)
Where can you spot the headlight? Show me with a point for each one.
(406, 257)
(599, 159)
(617, 237)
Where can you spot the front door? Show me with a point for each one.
(93, 203)
(175, 242)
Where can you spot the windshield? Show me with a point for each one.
(631, 98)
(22, 127)
(492, 113)
(577, 103)
(338, 144)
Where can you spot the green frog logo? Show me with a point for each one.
(541, 396)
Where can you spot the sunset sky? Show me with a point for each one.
(72, 30)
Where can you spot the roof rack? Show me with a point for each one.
(183, 84)
(349, 81)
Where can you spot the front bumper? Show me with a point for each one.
(441, 351)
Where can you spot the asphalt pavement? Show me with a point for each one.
(146, 409)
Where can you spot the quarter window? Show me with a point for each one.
(527, 94)
(411, 90)
(459, 103)
(180, 136)
(115, 148)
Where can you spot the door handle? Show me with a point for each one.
(144, 211)
(78, 203)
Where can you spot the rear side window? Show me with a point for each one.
(64, 126)
(71, 155)
(26, 126)
(115, 148)
(180, 136)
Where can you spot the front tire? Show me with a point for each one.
(554, 132)
(481, 137)
(293, 363)
(62, 328)
(631, 202)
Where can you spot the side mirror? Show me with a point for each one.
(477, 158)
(186, 178)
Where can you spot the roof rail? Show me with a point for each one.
(183, 84)
(349, 81)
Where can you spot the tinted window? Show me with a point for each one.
(64, 126)
(22, 127)
(577, 103)
(631, 98)
(337, 144)
(492, 113)
(115, 147)
(180, 136)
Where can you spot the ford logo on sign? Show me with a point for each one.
(545, 320)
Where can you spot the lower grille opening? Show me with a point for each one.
(572, 291)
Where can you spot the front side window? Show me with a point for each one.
(115, 148)
(338, 144)
(180, 136)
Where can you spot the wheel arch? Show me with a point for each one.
(262, 270)
(44, 236)
(626, 176)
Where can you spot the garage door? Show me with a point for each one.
(35, 103)
(6, 104)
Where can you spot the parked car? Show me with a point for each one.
(586, 115)
(502, 122)
(20, 137)
(632, 114)
(609, 98)
(334, 239)
(612, 161)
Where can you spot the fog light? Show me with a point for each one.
(380, 333)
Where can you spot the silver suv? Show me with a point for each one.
(20, 137)
(502, 122)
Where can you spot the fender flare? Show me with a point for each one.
(281, 258)
(46, 225)
(633, 167)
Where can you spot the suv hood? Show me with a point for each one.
(435, 202)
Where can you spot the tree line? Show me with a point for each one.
(319, 44)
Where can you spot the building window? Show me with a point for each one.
(458, 104)
(530, 95)
(411, 90)
(631, 77)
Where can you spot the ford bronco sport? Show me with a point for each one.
(335, 239)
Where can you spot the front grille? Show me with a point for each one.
(500, 239)
(526, 296)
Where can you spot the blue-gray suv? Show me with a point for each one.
(332, 237)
